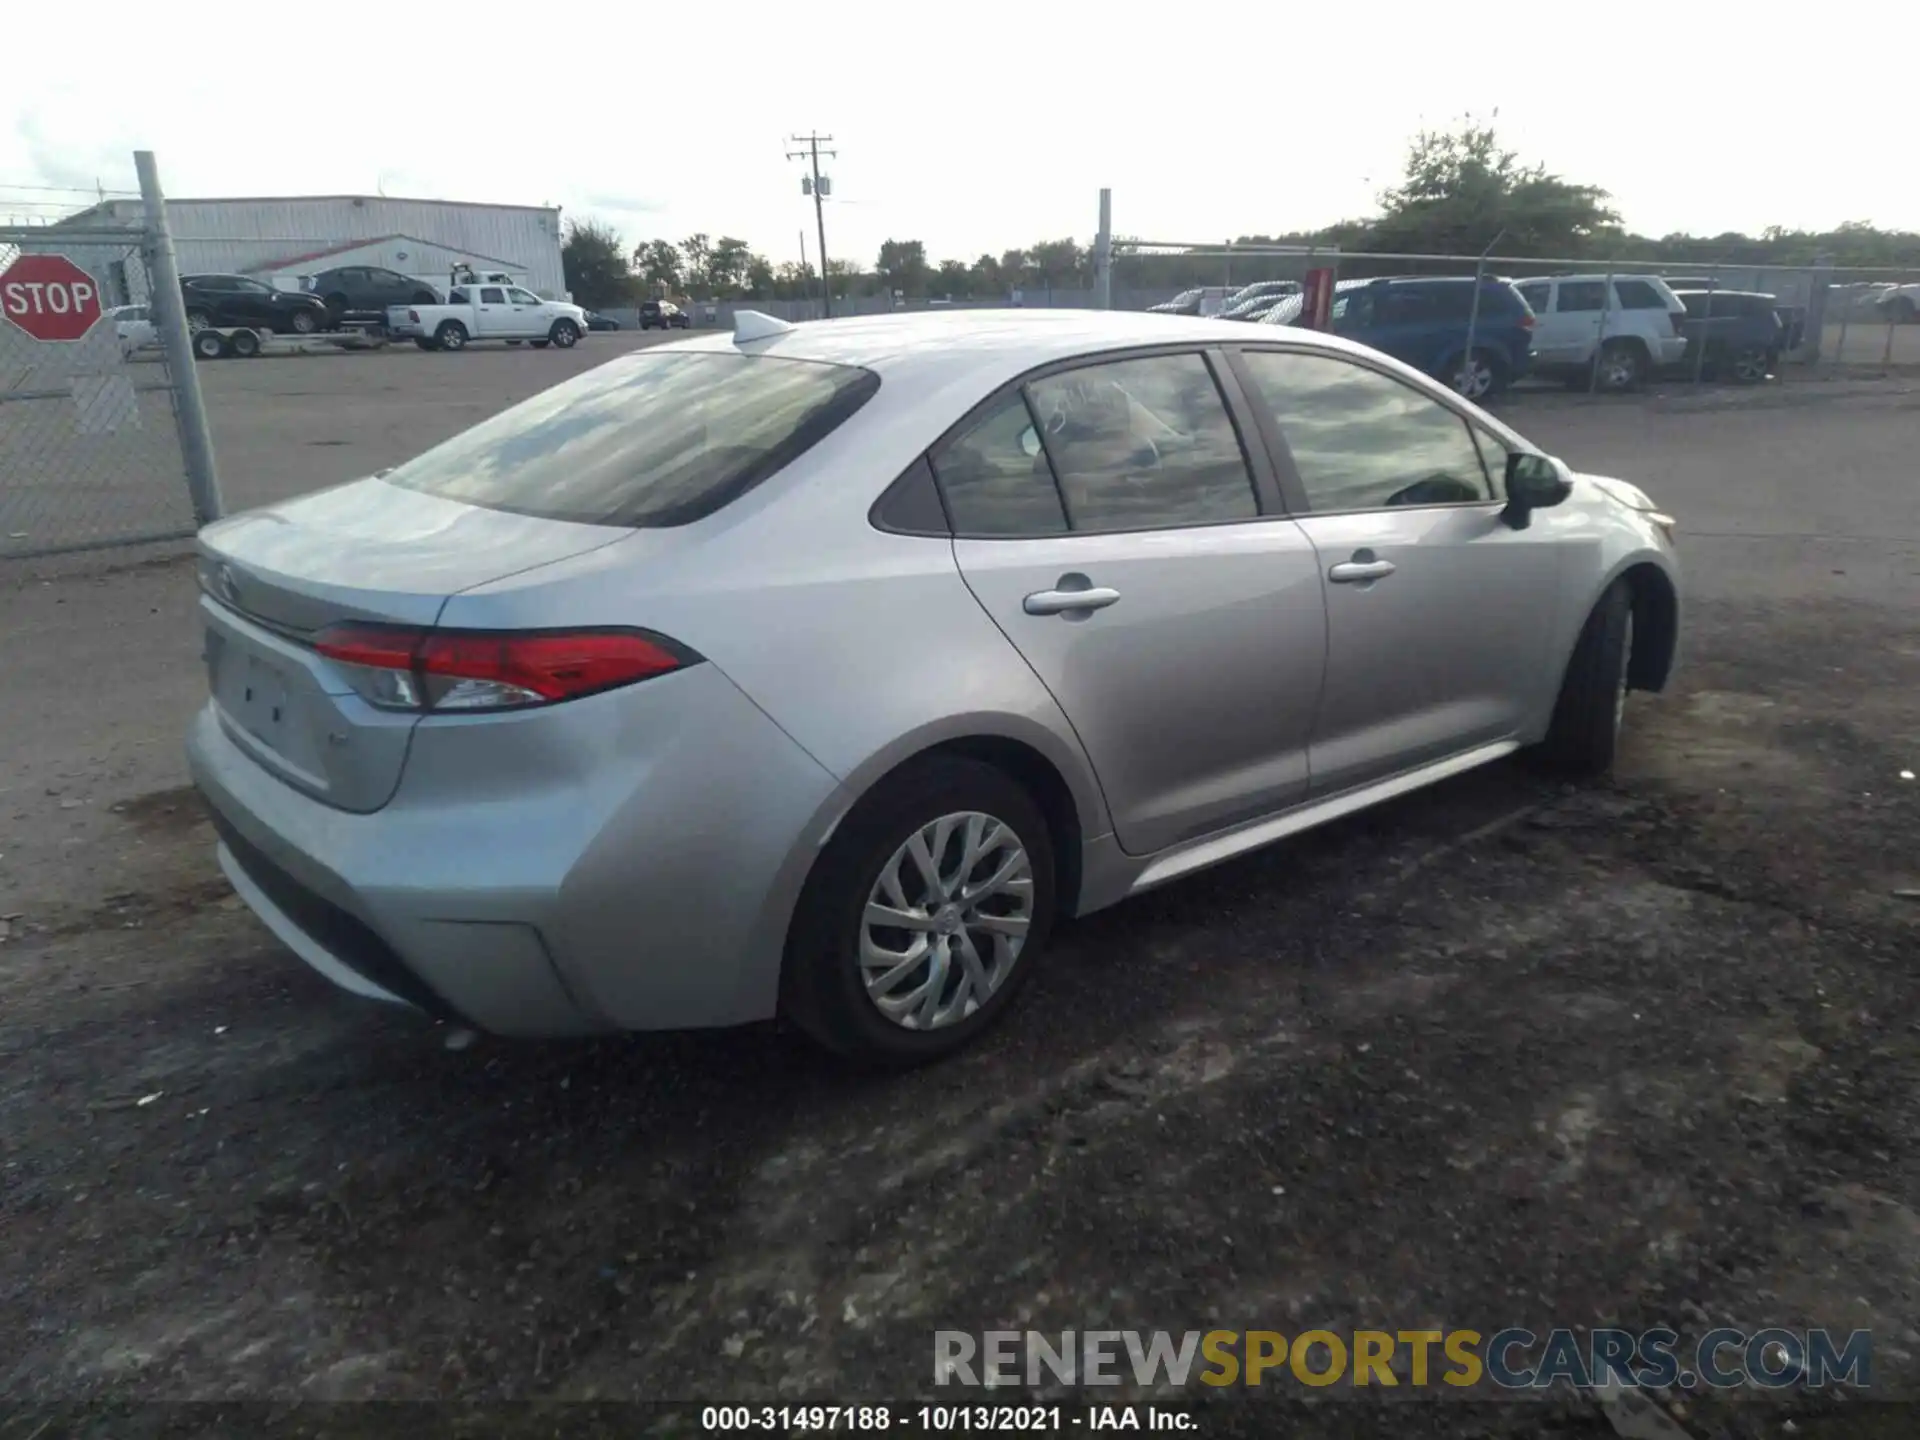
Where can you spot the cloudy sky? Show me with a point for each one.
(977, 127)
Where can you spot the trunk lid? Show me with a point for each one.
(367, 551)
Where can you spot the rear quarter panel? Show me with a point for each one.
(865, 648)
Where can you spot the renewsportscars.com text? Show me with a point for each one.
(1510, 1359)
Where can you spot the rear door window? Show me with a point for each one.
(1536, 295)
(1638, 295)
(1143, 444)
(996, 478)
(1579, 295)
(492, 295)
(649, 441)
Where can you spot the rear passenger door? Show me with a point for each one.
(1570, 333)
(491, 313)
(1439, 614)
(1106, 517)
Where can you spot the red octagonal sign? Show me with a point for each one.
(49, 297)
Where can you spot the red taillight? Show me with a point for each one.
(414, 316)
(1526, 321)
(493, 670)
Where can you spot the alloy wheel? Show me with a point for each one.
(1473, 379)
(1750, 365)
(946, 920)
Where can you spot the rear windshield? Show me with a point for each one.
(655, 439)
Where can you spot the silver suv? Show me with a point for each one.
(1632, 325)
(819, 670)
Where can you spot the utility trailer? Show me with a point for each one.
(244, 342)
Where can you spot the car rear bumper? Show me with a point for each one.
(629, 864)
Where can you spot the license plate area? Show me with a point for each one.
(254, 693)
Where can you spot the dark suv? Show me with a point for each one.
(363, 292)
(1424, 321)
(1739, 334)
(240, 300)
(664, 315)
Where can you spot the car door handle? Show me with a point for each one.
(1063, 602)
(1353, 572)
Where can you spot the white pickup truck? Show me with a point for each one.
(489, 312)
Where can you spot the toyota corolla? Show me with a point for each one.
(818, 670)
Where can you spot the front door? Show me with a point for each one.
(529, 312)
(1106, 519)
(1438, 613)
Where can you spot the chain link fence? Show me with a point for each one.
(102, 439)
(90, 450)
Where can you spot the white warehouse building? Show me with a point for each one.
(285, 241)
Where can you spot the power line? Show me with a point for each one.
(818, 190)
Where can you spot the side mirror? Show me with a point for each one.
(1534, 483)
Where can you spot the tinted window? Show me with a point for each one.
(523, 297)
(995, 476)
(1580, 295)
(1363, 441)
(1404, 305)
(1455, 302)
(492, 295)
(649, 440)
(1143, 445)
(1536, 295)
(391, 279)
(1353, 307)
(1638, 295)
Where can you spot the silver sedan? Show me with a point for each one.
(818, 670)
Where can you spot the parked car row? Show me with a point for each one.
(1613, 331)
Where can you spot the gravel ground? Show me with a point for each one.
(1504, 1053)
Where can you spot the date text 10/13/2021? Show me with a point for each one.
(943, 1419)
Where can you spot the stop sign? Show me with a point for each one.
(49, 297)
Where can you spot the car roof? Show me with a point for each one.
(987, 348)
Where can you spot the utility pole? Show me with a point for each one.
(817, 188)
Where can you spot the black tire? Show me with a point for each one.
(1586, 716)
(336, 309)
(1622, 366)
(565, 334)
(424, 297)
(209, 344)
(304, 322)
(426, 342)
(245, 344)
(821, 986)
(451, 335)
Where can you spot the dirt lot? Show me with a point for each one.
(1504, 1053)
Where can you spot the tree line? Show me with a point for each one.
(1462, 192)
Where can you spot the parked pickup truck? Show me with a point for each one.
(489, 312)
